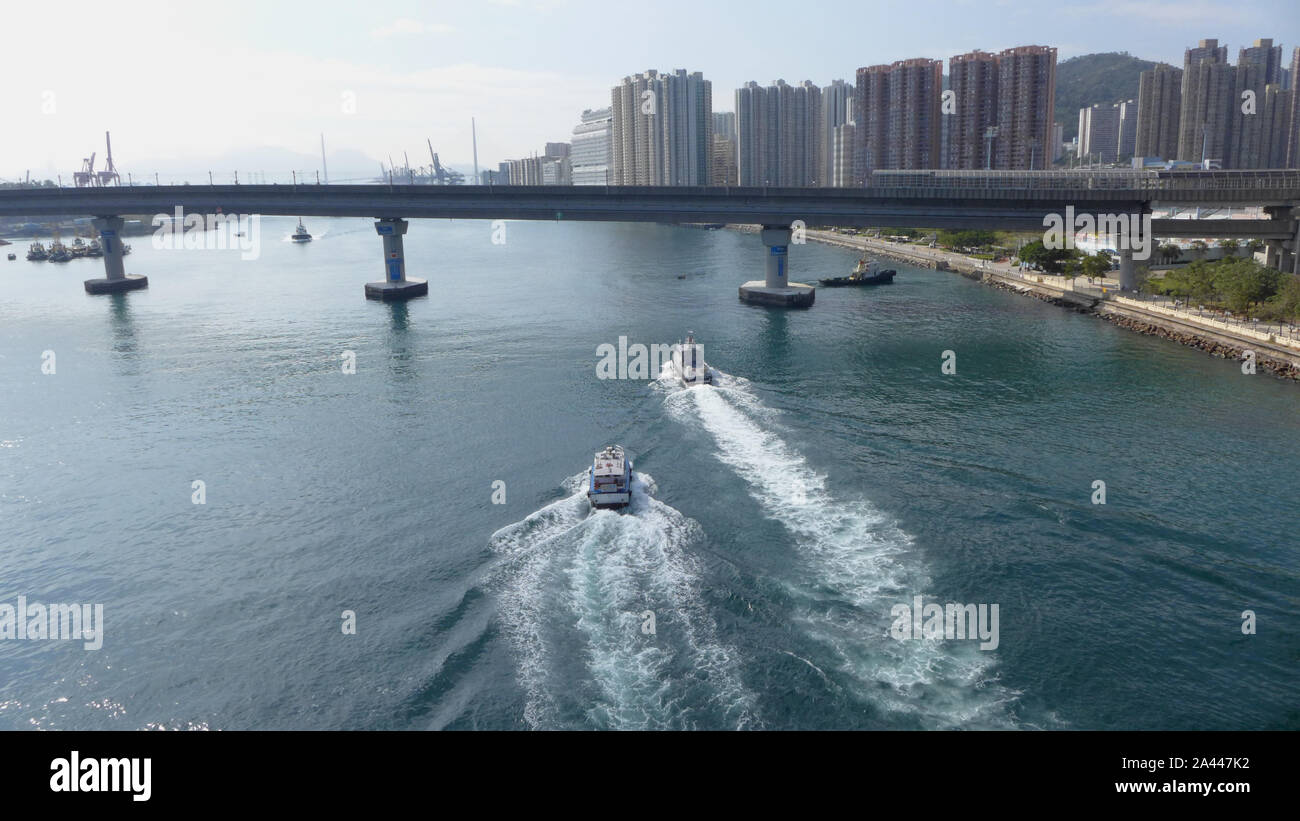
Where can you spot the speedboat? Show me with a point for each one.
(610, 482)
(300, 234)
(37, 252)
(689, 364)
(863, 274)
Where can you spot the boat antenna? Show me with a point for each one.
(324, 168)
(473, 130)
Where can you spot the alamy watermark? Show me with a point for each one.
(951, 621)
(635, 360)
(1124, 232)
(33, 621)
(208, 232)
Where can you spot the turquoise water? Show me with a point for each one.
(831, 474)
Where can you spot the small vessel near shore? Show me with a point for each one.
(610, 479)
(37, 253)
(689, 364)
(13, 257)
(300, 234)
(863, 274)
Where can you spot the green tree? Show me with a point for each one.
(1245, 283)
(1287, 300)
(1050, 260)
(1096, 265)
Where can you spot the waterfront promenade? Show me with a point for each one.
(1188, 317)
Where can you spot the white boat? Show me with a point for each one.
(610, 479)
(301, 235)
(689, 364)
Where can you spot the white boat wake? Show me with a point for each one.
(577, 591)
(857, 564)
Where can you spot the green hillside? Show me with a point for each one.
(1095, 78)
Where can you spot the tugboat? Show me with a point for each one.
(689, 364)
(78, 248)
(59, 253)
(862, 275)
(37, 253)
(301, 235)
(611, 479)
(94, 249)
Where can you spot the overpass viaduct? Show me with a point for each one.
(941, 199)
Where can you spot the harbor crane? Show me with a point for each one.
(88, 177)
(443, 176)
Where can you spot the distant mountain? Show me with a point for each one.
(1095, 78)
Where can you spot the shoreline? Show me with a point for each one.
(1272, 355)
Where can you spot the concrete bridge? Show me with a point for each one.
(940, 199)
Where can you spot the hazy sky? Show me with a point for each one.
(182, 83)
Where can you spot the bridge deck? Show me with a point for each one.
(939, 199)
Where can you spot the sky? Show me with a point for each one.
(188, 88)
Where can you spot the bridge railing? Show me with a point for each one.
(1156, 181)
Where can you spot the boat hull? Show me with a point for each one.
(609, 500)
(883, 278)
(705, 378)
(618, 498)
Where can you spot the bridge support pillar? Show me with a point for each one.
(1273, 254)
(776, 288)
(1295, 246)
(1127, 270)
(115, 278)
(395, 285)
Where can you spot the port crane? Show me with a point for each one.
(88, 176)
(443, 176)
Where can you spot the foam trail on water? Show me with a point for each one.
(858, 565)
(574, 600)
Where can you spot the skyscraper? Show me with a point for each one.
(1275, 121)
(724, 124)
(915, 91)
(662, 129)
(591, 149)
(871, 112)
(1099, 133)
(1266, 56)
(779, 133)
(1026, 97)
(756, 136)
(898, 121)
(1207, 105)
(723, 170)
(1127, 130)
(1160, 94)
(973, 79)
(1258, 107)
(837, 110)
(1293, 133)
(844, 144)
